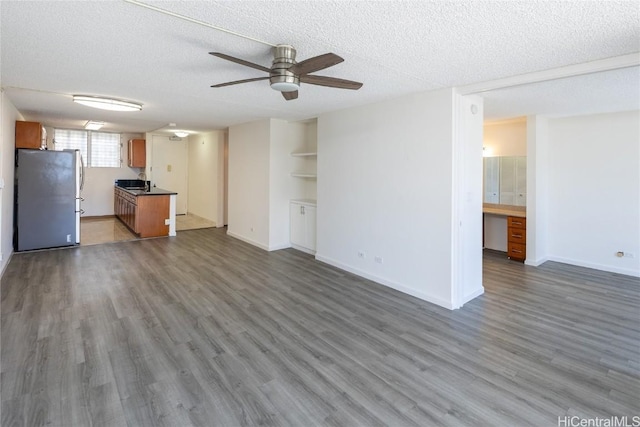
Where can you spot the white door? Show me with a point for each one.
(169, 168)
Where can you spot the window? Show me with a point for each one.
(68, 139)
(99, 149)
(105, 150)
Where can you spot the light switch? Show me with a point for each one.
(168, 168)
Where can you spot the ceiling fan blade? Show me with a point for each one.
(237, 82)
(240, 61)
(330, 82)
(290, 95)
(316, 63)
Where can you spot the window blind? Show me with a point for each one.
(71, 139)
(99, 149)
(105, 150)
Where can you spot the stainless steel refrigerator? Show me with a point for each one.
(48, 187)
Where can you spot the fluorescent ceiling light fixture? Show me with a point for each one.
(181, 134)
(93, 125)
(106, 103)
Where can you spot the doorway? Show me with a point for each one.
(169, 168)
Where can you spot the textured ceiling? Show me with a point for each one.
(53, 49)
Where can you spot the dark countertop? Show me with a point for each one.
(154, 191)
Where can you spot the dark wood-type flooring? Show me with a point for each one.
(205, 330)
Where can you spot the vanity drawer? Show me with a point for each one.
(516, 222)
(517, 235)
(516, 251)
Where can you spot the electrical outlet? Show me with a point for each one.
(362, 255)
(621, 254)
(378, 260)
(168, 168)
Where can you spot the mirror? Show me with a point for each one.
(505, 180)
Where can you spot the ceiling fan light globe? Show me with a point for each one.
(285, 86)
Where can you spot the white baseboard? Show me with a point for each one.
(602, 267)
(300, 248)
(257, 244)
(247, 240)
(386, 282)
(536, 262)
(280, 246)
(470, 296)
(4, 266)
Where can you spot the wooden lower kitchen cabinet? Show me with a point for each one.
(144, 214)
(516, 238)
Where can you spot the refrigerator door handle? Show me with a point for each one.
(81, 173)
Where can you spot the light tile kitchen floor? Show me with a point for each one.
(191, 222)
(95, 230)
(103, 230)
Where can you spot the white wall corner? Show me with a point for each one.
(466, 233)
(537, 188)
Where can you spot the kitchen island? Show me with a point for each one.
(148, 213)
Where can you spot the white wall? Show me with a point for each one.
(281, 184)
(594, 191)
(8, 117)
(204, 151)
(385, 188)
(98, 182)
(249, 154)
(505, 138)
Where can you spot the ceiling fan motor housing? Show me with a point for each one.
(280, 77)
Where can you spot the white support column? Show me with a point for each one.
(467, 200)
(537, 189)
(172, 215)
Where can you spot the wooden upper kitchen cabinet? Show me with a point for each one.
(137, 153)
(30, 135)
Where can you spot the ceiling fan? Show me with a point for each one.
(285, 74)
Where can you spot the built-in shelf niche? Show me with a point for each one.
(304, 159)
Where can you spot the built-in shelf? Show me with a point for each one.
(307, 154)
(304, 175)
(308, 202)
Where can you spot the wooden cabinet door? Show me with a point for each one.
(310, 227)
(137, 152)
(28, 135)
(298, 227)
